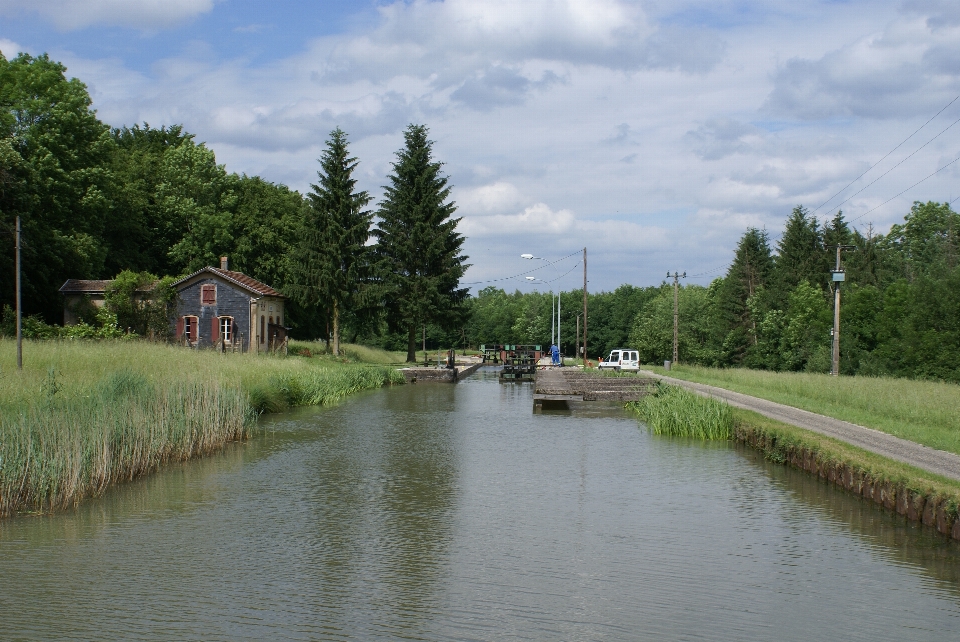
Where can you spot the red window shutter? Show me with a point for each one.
(179, 327)
(208, 294)
(214, 329)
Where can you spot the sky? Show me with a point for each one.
(651, 132)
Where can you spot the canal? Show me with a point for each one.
(452, 512)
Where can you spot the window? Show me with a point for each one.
(614, 356)
(208, 294)
(226, 329)
(190, 328)
(263, 329)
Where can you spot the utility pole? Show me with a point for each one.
(838, 277)
(19, 314)
(676, 301)
(584, 306)
(576, 343)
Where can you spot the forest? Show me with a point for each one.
(143, 202)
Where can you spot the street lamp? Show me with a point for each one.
(553, 340)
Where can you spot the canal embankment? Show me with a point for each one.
(82, 416)
(920, 483)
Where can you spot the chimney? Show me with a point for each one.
(223, 263)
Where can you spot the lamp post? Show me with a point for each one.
(554, 340)
(552, 309)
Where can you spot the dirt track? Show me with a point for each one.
(935, 461)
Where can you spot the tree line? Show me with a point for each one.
(97, 202)
(773, 309)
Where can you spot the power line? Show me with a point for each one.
(887, 154)
(510, 278)
(907, 190)
(900, 163)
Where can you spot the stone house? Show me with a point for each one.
(217, 304)
(213, 304)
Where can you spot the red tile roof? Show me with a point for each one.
(250, 282)
(236, 277)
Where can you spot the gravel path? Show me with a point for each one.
(935, 461)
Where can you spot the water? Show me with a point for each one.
(452, 512)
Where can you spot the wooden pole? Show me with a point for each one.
(576, 341)
(676, 315)
(19, 303)
(584, 306)
(836, 321)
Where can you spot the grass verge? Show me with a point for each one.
(926, 412)
(84, 415)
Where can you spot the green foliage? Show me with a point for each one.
(331, 263)
(800, 253)
(103, 325)
(676, 411)
(141, 302)
(55, 175)
(419, 263)
(652, 332)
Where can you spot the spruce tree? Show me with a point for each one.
(800, 254)
(748, 276)
(418, 252)
(330, 264)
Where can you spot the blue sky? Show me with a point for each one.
(653, 132)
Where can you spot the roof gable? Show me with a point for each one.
(235, 278)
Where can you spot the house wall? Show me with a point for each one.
(264, 309)
(72, 301)
(231, 302)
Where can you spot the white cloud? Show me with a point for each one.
(67, 15)
(9, 48)
(908, 68)
(564, 124)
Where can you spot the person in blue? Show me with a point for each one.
(555, 355)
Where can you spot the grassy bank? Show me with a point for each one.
(912, 492)
(926, 412)
(909, 491)
(83, 415)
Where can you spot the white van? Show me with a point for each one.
(621, 359)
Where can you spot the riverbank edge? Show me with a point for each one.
(910, 492)
(269, 396)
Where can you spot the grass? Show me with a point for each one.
(84, 415)
(352, 353)
(926, 412)
(672, 410)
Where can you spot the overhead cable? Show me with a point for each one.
(887, 154)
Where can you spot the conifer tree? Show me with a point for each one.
(800, 253)
(747, 276)
(418, 252)
(330, 264)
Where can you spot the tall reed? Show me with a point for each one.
(83, 415)
(672, 410)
